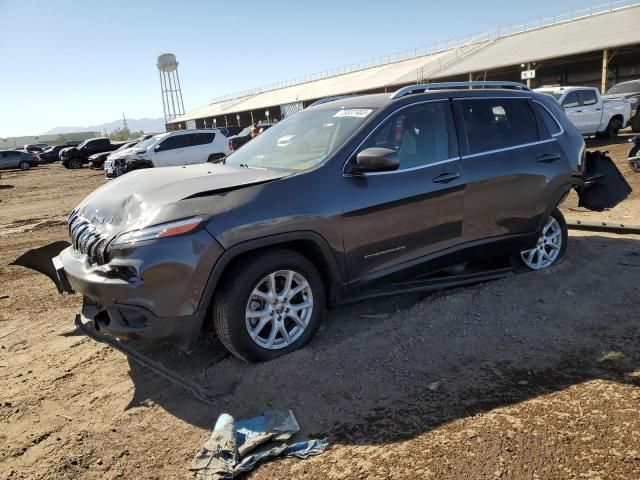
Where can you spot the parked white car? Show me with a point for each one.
(589, 112)
(184, 147)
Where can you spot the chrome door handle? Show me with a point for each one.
(446, 177)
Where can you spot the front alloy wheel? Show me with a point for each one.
(551, 244)
(279, 309)
(269, 304)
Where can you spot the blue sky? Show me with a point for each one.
(77, 63)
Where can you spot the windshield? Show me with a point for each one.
(301, 141)
(82, 144)
(626, 87)
(148, 142)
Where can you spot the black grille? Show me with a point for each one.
(86, 240)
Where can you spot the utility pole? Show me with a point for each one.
(124, 122)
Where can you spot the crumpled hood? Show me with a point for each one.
(122, 153)
(134, 200)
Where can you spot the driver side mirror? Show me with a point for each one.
(376, 159)
(157, 148)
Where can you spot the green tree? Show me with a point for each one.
(123, 134)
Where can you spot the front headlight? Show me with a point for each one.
(164, 230)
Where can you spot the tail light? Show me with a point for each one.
(231, 145)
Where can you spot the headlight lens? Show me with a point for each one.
(170, 229)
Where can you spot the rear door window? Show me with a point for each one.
(588, 97)
(497, 123)
(551, 124)
(203, 138)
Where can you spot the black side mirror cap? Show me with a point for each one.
(376, 159)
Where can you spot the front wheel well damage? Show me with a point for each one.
(306, 247)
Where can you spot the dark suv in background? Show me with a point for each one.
(349, 199)
(75, 157)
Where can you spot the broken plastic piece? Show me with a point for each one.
(225, 456)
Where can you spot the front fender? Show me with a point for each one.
(336, 283)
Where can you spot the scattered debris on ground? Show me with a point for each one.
(237, 447)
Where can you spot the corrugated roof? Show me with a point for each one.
(606, 30)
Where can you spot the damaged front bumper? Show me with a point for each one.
(152, 291)
(135, 323)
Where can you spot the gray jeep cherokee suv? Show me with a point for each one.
(329, 205)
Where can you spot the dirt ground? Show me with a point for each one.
(530, 377)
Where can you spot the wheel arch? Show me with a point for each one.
(618, 116)
(310, 244)
(555, 200)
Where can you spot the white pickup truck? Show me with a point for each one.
(589, 112)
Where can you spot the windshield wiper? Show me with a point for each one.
(253, 167)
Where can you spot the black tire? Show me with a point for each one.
(517, 260)
(635, 123)
(612, 129)
(24, 165)
(75, 163)
(236, 287)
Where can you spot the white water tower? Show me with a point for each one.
(170, 86)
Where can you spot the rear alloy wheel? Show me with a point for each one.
(551, 245)
(75, 163)
(269, 306)
(24, 165)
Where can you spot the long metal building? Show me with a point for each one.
(598, 46)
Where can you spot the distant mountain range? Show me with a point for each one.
(147, 125)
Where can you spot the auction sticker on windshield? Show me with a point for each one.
(354, 112)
